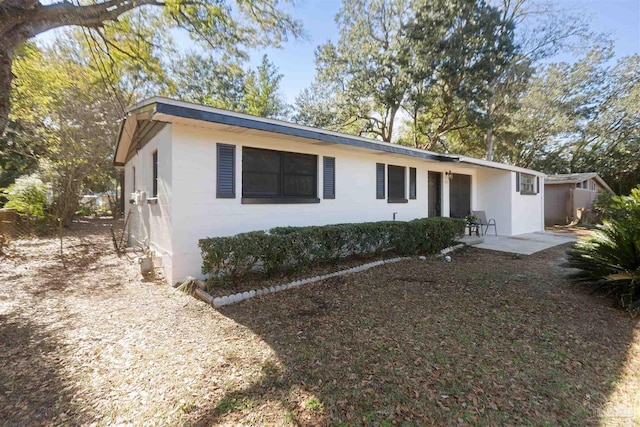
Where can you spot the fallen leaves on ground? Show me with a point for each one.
(489, 338)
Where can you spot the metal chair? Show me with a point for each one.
(482, 219)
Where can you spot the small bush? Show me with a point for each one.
(28, 196)
(287, 249)
(84, 211)
(602, 205)
(610, 259)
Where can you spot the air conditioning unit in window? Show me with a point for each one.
(134, 199)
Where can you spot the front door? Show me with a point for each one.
(460, 195)
(435, 194)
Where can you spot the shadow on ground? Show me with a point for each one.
(84, 245)
(32, 390)
(490, 339)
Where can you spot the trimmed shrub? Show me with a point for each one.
(233, 256)
(610, 259)
(287, 249)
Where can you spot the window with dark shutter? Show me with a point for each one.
(412, 183)
(270, 176)
(154, 192)
(537, 184)
(379, 180)
(517, 182)
(226, 177)
(329, 177)
(397, 191)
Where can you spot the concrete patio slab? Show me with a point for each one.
(471, 240)
(524, 244)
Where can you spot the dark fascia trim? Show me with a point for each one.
(244, 122)
(397, 201)
(119, 138)
(144, 109)
(278, 200)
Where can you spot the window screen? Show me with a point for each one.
(299, 178)
(397, 183)
(278, 174)
(527, 184)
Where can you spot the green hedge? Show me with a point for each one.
(285, 249)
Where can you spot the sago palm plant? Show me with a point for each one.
(610, 259)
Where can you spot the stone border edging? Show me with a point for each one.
(241, 296)
(451, 248)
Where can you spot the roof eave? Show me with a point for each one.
(125, 137)
(273, 126)
(501, 166)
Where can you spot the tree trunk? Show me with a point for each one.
(489, 137)
(392, 118)
(5, 88)
(490, 141)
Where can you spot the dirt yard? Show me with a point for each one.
(571, 230)
(488, 339)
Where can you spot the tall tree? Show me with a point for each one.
(430, 59)
(261, 91)
(457, 48)
(207, 80)
(364, 67)
(543, 30)
(69, 105)
(581, 117)
(222, 24)
(224, 84)
(319, 106)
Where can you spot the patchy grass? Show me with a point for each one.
(488, 339)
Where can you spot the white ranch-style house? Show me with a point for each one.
(192, 171)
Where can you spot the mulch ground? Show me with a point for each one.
(488, 339)
(572, 230)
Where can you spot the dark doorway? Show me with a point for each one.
(460, 195)
(435, 194)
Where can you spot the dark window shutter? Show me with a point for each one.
(412, 183)
(537, 184)
(226, 185)
(329, 176)
(517, 182)
(379, 180)
(154, 191)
